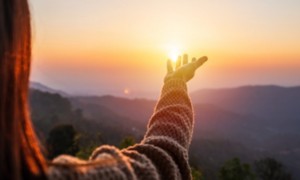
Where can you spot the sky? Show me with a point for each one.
(120, 47)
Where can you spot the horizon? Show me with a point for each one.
(151, 95)
(121, 47)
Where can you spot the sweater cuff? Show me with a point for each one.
(175, 83)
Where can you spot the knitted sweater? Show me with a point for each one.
(162, 154)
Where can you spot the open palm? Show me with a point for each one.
(184, 69)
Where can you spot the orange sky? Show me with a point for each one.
(105, 47)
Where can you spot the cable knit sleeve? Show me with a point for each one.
(169, 132)
(162, 154)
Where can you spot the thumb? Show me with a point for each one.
(200, 61)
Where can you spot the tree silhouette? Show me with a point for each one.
(88, 142)
(271, 169)
(127, 141)
(86, 152)
(235, 170)
(62, 140)
(196, 174)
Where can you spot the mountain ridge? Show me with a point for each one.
(240, 119)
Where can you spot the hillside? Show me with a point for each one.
(139, 110)
(247, 122)
(49, 110)
(262, 119)
(270, 102)
(44, 88)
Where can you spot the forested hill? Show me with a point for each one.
(50, 110)
(248, 122)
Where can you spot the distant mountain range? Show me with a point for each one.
(44, 88)
(263, 101)
(248, 122)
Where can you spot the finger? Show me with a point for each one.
(200, 61)
(194, 59)
(178, 62)
(169, 66)
(185, 59)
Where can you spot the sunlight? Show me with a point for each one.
(174, 51)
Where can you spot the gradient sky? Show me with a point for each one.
(120, 47)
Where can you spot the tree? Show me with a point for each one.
(62, 140)
(88, 142)
(271, 169)
(196, 174)
(235, 170)
(127, 141)
(86, 152)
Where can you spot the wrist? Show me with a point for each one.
(175, 82)
(175, 77)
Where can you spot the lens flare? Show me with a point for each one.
(126, 91)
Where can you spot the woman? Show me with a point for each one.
(162, 154)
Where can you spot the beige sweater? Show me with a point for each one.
(162, 154)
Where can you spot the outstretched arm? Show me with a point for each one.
(173, 114)
(170, 128)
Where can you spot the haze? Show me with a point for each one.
(120, 47)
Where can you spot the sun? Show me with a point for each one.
(173, 52)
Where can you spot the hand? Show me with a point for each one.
(184, 70)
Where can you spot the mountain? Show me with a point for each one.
(265, 110)
(139, 110)
(49, 110)
(248, 122)
(264, 101)
(264, 120)
(44, 88)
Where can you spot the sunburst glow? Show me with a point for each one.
(174, 51)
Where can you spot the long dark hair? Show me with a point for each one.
(20, 155)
